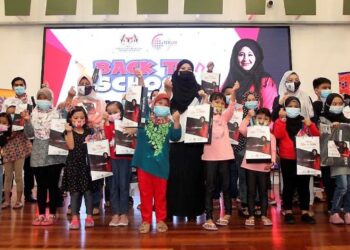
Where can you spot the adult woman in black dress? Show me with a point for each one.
(185, 194)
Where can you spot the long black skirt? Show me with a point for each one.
(186, 189)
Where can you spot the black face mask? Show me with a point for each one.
(186, 76)
(297, 85)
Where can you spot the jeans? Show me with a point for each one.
(241, 177)
(97, 194)
(212, 170)
(119, 185)
(329, 185)
(257, 181)
(1, 184)
(76, 199)
(341, 194)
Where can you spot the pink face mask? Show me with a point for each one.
(78, 124)
(114, 117)
(3, 128)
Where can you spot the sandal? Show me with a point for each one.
(5, 205)
(224, 220)
(210, 226)
(250, 221)
(162, 227)
(266, 221)
(38, 220)
(144, 228)
(18, 205)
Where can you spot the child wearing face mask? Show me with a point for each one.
(121, 168)
(333, 112)
(257, 174)
(152, 160)
(217, 156)
(46, 168)
(5, 133)
(289, 125)
(77, 174)
(322, 87)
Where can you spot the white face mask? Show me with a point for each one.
(290, 86)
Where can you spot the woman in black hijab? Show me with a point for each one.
(246, 67)
(185, 194)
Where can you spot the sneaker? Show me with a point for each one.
(38, 220)
(115, 221)
(96, 211)
(347, 218)
(123, 221)
(336, 219)
(75, 224)
(89, 222)
(289, 219)
(308, 219)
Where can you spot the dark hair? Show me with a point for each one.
(217, 95)
(9, 120)
(18, 79)
(318, 81)
(75, 110)
(150, 97)
(119, 105)
(264, 111)
(202, 117)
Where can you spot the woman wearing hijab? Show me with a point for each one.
(333, 112)
(185, 195)
(290, 86)
(246, 67)
(289, 125)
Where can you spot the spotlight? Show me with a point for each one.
(269, 4)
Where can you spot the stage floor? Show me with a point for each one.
(16, 232)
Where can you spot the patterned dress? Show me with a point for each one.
(77, 175)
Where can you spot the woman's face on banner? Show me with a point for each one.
(246, 58)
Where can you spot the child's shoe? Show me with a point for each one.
(75, 224)
(48, 221)
(336, 219)
(115, 221)
(89, 221)
(162, 227)
(144, 228)
(38, 220)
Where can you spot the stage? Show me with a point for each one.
(17, 233)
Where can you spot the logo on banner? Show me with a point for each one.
(160, 42)
(129, 43)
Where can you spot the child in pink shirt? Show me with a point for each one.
(258, 173)
(216, 157)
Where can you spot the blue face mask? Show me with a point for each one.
(20, 90)
(161, 111)
(292, 112)
(325, 93)
(44, 104)
(251, 105)
(336, 109)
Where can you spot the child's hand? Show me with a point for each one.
(138, 73)
(335, 124)
(282, 114)
(168, 84)
(251, 113)
(71, 92)
(176, 116)
(105, 116)
(236, 86)
(68, 127)
(307, 122)
(201, 93)
(130, 131)
(210, 67)
(25, 115)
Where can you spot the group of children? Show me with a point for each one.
(290, 117)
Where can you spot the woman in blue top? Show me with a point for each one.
(152, 160)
